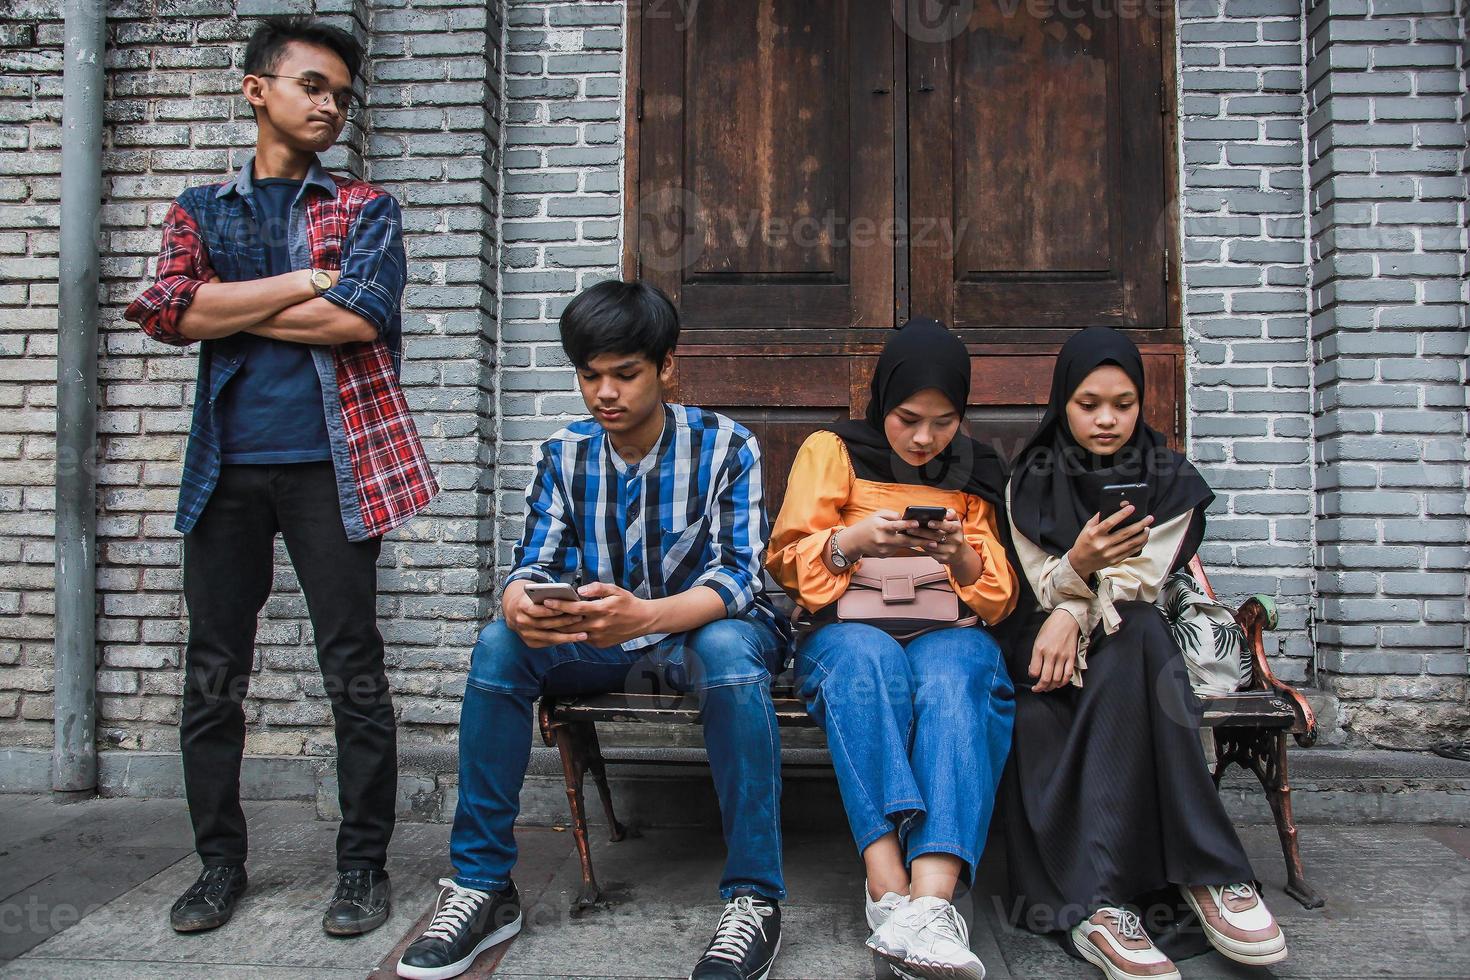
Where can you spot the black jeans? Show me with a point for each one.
(227, 579)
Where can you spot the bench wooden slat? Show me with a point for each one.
(1261, 709)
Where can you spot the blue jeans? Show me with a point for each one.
(729, 663)
(918, 732)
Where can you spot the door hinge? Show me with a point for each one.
(1163, 103)
(637, 267)
(1166, 265)
(638, 111)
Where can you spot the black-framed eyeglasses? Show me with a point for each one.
(346, 101)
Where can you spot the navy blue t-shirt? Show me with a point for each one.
(271, 410)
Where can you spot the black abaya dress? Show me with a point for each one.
(1106, 798)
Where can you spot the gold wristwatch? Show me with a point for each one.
(321, 281)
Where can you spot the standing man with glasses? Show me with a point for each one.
(291, 278)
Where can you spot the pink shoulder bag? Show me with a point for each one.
(905, 597)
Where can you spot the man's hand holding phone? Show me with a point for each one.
(608, 615)
(540, 624)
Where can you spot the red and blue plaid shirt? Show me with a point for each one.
(383, 475)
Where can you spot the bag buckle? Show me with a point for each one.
(898, 588)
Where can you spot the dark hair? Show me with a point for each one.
(615, 317)
(268, 43)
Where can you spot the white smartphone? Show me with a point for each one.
(539, 592)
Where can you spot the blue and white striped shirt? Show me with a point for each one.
(689, 513)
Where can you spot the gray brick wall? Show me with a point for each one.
(174, 117)
(435, 142)
(1245, 298)
(561, 223)
(30, 166)
(1387, 163)
(1322, 208)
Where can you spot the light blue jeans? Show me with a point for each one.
(918, 732)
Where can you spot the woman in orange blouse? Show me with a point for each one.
(919, 730)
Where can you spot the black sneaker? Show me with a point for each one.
(746, 941)
(211, 900)
(360, 903)
(466, 923)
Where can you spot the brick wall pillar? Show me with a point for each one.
(434, 141)
(1386, 155)
(1243, 222)
(562, 217)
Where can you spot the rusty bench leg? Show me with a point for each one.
(616, 831)
(1264, 753)
(1278, 794)
(572, 746)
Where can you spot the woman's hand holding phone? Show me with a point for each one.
(1105, 542)
(944, 540)
(881, 535)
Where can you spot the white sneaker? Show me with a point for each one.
(882, 910)
(1237, 923)
(928, 938)
(1113, 940)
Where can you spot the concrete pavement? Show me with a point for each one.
(85, 890)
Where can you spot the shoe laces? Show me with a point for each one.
(742, 919)
(943, 919)
(213, 882)
(457, 905)
(1241, 890)
(1128, 923)
(353, 885)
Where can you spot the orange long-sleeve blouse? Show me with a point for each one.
(824, 495)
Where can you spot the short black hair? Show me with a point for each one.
(268, 43)
(615, 317)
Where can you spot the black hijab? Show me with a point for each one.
(1056, 484)
(922, 354)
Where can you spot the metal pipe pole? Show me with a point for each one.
(74, 752)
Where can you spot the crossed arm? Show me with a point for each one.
(187, 302)
(283, 307)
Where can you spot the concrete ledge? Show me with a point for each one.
(25, 771)
(670, 787)
(160, 775)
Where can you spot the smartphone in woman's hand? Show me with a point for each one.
(924, 514)
(1115, 495)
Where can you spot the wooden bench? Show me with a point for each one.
(1250, 729)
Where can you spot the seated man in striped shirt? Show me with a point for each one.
(657, 507)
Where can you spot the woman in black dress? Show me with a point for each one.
(1107, 798)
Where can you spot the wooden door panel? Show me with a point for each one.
(1037, 144)
(766, 159)
(760, 125)
(1035, 149)
(1021, 165)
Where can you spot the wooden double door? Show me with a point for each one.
(804, 175)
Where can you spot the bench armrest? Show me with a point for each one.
(1256, 615)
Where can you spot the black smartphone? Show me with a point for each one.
(1115, 495)
(924, 515)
